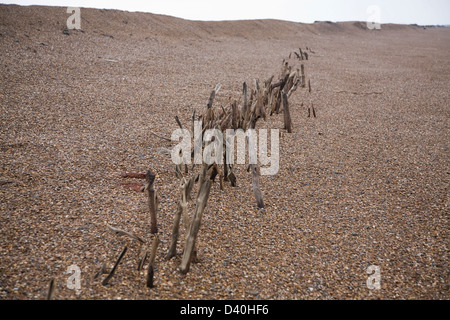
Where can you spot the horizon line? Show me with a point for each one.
(224, 20)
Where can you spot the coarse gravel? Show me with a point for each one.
(363, 184)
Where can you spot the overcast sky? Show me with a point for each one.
(423, 12)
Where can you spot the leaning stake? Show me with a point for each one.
(195, 224)
(110, 275)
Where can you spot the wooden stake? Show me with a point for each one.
(277, 102)
(232, 178)
(256, 185)
(287, 115)
(195, 225)
(155, 244)
(186, 187)
(152, 202)
(294, 87)
(235, 117)
(142, 260)
(256, 173)
(51, 289)
(281, 83)
(302, 67)
(110, 275)
(213, 95)
(178, 122)
(245, 106)
(211, 99)
(150, 271)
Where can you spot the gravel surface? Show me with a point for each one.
(363, 184)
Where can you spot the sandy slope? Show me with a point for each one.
(366, 183)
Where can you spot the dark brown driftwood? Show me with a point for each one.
(152, 201)
(178, 122)
(51, 289)
(235, 116)
(110, 275)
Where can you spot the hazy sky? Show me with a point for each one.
(423, 12)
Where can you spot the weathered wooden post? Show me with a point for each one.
(185, 189)
(302, 68)
(113, 270)
(287, 115)
(151, 262)
(202, 199)
(152, 201)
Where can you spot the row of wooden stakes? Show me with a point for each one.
(265, 99)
